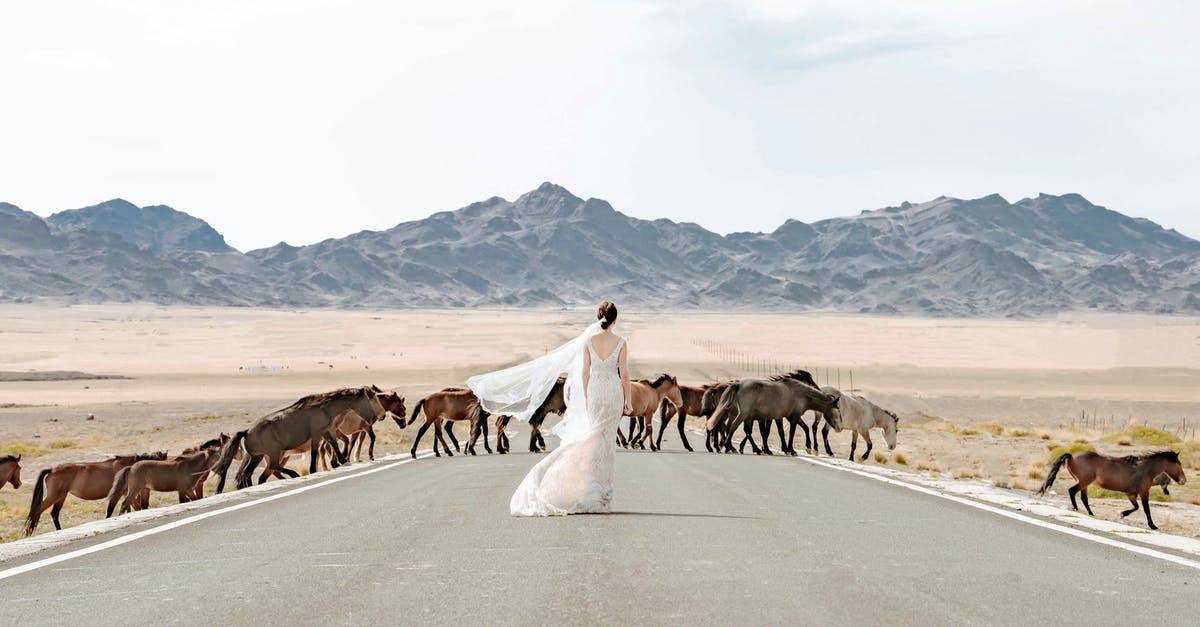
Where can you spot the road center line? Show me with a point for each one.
(1071, 531)
(70, 555)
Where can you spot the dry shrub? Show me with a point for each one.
(61, 444)
(880, 458)
(965, 473)
(968, 432)
(1035, 473)
(1144, 435)
(1072, 448)
(1019, 433)
(991, 428)
(899, 458)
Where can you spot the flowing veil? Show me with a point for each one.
(519, 390)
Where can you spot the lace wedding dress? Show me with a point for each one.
(576, 477)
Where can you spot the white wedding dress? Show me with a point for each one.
(576, 477)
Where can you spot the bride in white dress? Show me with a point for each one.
(576, 477)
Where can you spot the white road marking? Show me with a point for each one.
(70, 555)
(1070, 531)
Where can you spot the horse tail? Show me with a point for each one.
(723, 406)
(1054, 468)
(662, 410)
(417, 410)
(39, 493)
(227, 453)
(118, 488)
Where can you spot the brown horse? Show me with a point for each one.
(10, 471)
(171, 475)
(692, 405)
(1132, 475)
(554, 403)
(308, 419)
(217, 442)
(352, 429)
(454, 404)
(89, 481)
(649, 397)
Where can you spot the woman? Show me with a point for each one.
(576, 477)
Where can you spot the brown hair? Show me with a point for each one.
(607, 314)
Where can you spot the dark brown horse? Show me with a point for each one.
(352, 430)
(177, 475)
(646, 398)
(89, 481)
(692, 397)
(764, 400)
(554, 403)
(10, 471)
(308, 419)
(1131, 475)
(708, 404)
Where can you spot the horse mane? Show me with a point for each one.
(1142, 462)
(8, 458)
(321, 398)
(662, 378)
(802, 376)
(144, 456)
(212, 442)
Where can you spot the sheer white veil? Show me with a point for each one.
(519, 390)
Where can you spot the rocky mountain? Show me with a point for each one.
(158, 228)
(948, 256)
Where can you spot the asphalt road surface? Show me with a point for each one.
(696, 538)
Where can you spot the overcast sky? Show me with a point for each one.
(301, 120)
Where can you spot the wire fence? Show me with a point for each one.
(756, 365)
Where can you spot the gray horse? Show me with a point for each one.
(860, 416)
(766, 400)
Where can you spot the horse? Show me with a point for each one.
(1131, 475)
(89, 481)
(217, 442)
(708, 404)
(647, 397)
(692, 404)
(352, 429)
(308, 419)
(172, 475)
(782, 396)
(453, 403)
(10, 471)
(860, 416)
(554, 403)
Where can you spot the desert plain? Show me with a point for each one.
(979, 399)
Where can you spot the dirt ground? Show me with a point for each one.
(976, 398)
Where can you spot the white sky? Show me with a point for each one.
(301, 120)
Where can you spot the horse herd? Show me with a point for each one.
(327, 426)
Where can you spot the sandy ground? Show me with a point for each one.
(193, 372)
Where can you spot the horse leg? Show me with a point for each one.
(824, 436)
(483, 426)
(1072, 491)
(1133, 500)
(249, 462)
(1146, 506)
(650, 431)
(371, 447)
(809, 444)
(273, 464)
(417, 440)
(439, 435)
(55, 511)
(764, 429)
(1083, 497)
(867, 438)
(853, 443)
(448, 428)
(662, 428)
(683, 434)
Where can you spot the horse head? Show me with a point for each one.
(833, 413)
(14, 475)
(393, 403)
(890, 428)
(1175, 468)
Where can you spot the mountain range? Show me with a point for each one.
(947, 256)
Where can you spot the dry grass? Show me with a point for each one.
(1142, 434)
(880, 458)
(991, 427)
(899, 458)
(1058, 450)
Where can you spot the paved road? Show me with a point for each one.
(698, 538)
